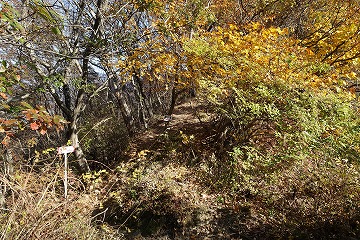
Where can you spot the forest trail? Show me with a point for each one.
(188, 117)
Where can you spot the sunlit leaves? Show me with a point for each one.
(334, 34)
(329, 28)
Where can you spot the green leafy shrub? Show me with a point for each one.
(286, 137)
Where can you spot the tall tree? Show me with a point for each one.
(58, 42)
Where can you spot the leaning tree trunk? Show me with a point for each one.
(146, 108)
(126, 112)
(118, 93)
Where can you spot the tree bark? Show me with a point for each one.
(73, 132)
(80, 104)
(146, 100)
(174, 96)
(124, 107)
(142, 105)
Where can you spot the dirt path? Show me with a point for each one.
(185, 118)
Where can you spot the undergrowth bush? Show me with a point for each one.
(296, 153)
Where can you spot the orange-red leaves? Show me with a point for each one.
(3, 95)
(34, 126)
(38, 119)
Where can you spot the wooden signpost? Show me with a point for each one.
(65, 150)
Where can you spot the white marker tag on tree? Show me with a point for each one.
(65, 149)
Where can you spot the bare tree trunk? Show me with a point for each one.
(143, 116)
(79, 104)
(125, 112)
(174, 96)
(2, 193)
(73, 132)
(79, 154)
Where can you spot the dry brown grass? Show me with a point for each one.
(36, 209)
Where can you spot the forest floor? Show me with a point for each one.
(173, 182)
(175, 187)
(167, 189)
(172, 185)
